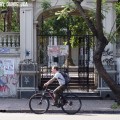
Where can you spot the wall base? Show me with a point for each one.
(25, 93)
(107, 95)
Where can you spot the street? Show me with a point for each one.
(58, 116)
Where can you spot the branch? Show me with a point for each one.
(78, 1)
(99, 24)
(88, 21)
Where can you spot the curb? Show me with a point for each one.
(60, 111)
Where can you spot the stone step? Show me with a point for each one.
(88, 96)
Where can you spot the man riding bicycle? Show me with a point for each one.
(61, 80)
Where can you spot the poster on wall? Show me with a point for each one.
(58, 50)
(8, 78)
(8, 67)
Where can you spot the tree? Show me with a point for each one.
(102, 41)
(117, 8)
(69, 26)
(10, 20)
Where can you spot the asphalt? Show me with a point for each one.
(88, 106)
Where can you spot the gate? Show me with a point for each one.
(81, 67)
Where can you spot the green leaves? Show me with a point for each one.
(67, 9)
(45, 4)
(4, 3)
(115, 106)
(117, 21)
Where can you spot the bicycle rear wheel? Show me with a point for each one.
(73, 104)
(38, 104)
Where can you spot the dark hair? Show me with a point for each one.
(56, 67)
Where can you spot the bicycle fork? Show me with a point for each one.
(43, 94)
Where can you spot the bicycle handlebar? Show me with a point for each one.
(46, 89)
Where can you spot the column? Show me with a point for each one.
(26, 32)
(35, 41)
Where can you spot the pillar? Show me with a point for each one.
(26, 32)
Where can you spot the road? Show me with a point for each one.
(57, 116)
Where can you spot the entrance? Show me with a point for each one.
(82, 73)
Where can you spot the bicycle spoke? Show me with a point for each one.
(73, 104)
(38, 104)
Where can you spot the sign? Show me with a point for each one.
(8, 66)
(4, 50)
(58, 50)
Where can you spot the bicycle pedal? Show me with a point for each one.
(53, 104)
(58, 106)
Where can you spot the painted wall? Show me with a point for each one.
(8, 77)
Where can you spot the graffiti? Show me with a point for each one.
(27, 61)
(4, 50)
(108, 52)
(8, 85)
(108, 57)
(8, 79)
(109, 61)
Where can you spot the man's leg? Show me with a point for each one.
(59, 90)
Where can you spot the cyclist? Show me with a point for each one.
(57, 76)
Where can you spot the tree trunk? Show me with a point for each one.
(102, 72)
(9, 19)
(101, 44)
(69, 60)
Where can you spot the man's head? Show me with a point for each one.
(54, 69)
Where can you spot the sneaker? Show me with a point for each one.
(54, 104)
(65, 102)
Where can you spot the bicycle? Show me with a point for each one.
(39, 103)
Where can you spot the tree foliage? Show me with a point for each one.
(55, 26)
(10, 19)
(45, 4)
(117, 8)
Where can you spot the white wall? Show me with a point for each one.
(118, 69)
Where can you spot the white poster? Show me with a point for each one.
(8, 66)
(58, 50)
(8, 78)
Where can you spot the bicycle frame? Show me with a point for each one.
(49, 92)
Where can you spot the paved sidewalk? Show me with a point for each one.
(88, 106)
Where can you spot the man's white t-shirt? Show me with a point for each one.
(60, 78)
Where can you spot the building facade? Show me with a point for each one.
(26, 47)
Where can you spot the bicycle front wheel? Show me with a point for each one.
(73, 104)
(38, 104)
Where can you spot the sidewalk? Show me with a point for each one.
(88, 106)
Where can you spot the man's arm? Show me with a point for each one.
(49, 82)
